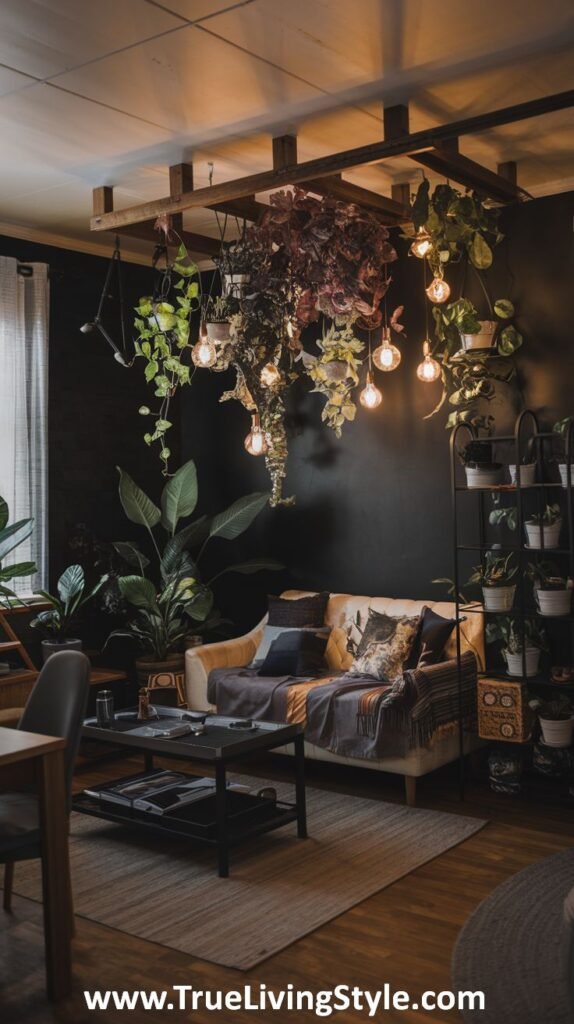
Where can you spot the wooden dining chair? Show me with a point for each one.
(56, 707)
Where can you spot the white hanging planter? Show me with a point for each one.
(554, 602)
(563, 467)
(527, 475)
(557, 733)
(218, 330)
(551, 533)
(484, 339)
(235, 284)
(482, 476)
(514, 662)
(498, 599)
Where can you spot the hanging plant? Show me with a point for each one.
(163, 342)
(335, 374)
(455, 223)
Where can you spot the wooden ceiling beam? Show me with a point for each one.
(181, 181)
(103, 203)
(403, 145)
(285, 155)
(446, 160)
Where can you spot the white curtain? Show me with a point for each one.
(24, 307)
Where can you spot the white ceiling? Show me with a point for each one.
(112, 91)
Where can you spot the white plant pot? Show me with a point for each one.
(527, 475)
(563, 467)
(235, 284)
(218, 331)
(484, 339)
(479, 476)
(557, 734)
(515, 666)
(498, 599)
(554, 602)
(551, 533)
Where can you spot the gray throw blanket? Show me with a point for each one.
(356, 717)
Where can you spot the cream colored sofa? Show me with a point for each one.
(342, 609)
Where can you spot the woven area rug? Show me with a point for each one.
(280, 887)
(513, 948)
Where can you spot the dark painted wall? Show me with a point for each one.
(373, 509)
(93, 402)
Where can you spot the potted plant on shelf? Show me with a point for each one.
(58, 621)
(552, 591)
(522, 658)
(543, 529)
(479, 468)
(556, 719)
(561, 429)
(494, 575)
(176, 602)
(11, 535)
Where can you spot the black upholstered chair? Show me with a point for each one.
(56, 707)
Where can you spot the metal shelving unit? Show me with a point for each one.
(529, 499)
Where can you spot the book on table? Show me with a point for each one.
(158, 791)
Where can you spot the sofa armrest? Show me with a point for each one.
(199, 661)
(442, 680)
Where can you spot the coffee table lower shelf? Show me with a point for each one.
(267, 819)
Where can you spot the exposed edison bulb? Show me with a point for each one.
(429, 370)
(270, 375)
(438, 290)
(387, 356)
(203, 352)
(422, 244)
(370, 396)
(255, 442)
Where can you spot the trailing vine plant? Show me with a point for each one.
(452, 227)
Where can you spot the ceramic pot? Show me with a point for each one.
(557, 733)
(527, 475)
(218, 331)
(235, 284)
(482, 476)
(165, 679)
(551, 533)
(50, 647)
(484, 339)
(498, 599)
(336, 370)
(563, 467)
(554, 602)
(514, 662)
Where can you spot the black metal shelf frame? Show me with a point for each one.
(542, 443)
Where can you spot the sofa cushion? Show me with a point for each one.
(308, 610)
(385, 646)
(296, 652)
(432, 637)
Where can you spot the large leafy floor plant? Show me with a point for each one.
(168, 596)
(11, 535)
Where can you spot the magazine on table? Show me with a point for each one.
(145, 784)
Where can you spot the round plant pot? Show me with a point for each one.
(482, 476)
(514, 662)
(557, 733)
(527, 475)
(554, 602)
(146, 667)
(551, 533)
(336, 370)
(50, 647)
(218, 330)
(498, 599)
(563, 467)
(234, 284)
(484, 339)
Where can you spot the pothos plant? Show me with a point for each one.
(460, 228)
(335, 374)
(163, 342)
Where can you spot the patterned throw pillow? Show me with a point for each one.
(385, 646)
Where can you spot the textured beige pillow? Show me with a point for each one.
(385, 646)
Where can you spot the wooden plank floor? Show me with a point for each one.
(403, 935)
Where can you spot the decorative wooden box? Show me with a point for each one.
(503, 712)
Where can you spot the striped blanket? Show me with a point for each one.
(356, 717)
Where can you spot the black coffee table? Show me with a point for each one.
(237, 817)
